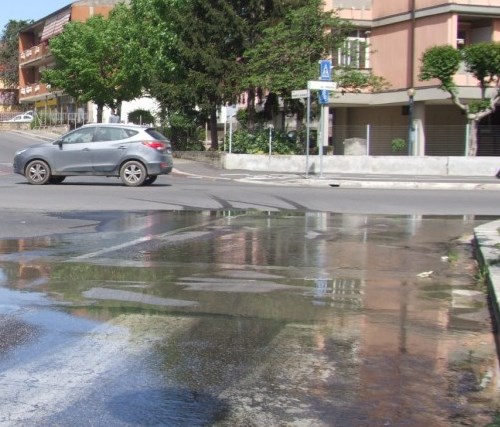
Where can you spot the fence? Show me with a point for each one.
(49, 118)
(378, 140)
(450, 140)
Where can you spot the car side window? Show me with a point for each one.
(117, 134)
(110, 134)
(79, 136)
(102, 134)
(130, 133)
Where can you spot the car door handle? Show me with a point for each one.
(122, 147)
(85, 149)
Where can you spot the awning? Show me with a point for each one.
(54, 25)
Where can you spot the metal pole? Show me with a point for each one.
(325, 111)
(307, 130)
(467, 135)
(320, 140)
(270, 141)
(367, 139)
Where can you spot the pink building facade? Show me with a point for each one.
(392, 36)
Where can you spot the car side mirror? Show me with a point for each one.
(58, 142)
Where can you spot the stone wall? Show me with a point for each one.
(315, 164)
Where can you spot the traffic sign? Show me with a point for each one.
(299, 94)
(325, 69)
(321, 85)
(324, 97)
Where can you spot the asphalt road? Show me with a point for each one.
(223, 190)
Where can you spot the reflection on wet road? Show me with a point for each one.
(247, 319)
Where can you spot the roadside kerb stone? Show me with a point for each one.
(487, 240)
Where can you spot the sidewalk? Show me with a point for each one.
(487, 238)
(387, 181)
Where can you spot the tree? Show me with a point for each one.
(482, 60)
(9, 53)
(92, 62)
(287, 55)
(193, 49)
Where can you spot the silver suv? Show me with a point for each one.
(136, 154)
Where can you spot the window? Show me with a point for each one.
(82, 135)
(110, 134)
(355, 51)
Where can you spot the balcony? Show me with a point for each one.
(33, 91)
(39, 53)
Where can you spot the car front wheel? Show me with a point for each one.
(37, 172)
(133, 173)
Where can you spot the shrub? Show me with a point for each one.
(257, 142)
(398, 145)
(140, 117)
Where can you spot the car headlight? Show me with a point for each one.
(20, 152)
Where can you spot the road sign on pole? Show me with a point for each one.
(325, 69)
(324, 97)
(299, 94)
(325, 75)
(321, 85)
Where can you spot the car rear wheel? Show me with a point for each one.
(133, 173)
(37, 172)
(150, 179)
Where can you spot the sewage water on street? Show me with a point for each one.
(245, 318)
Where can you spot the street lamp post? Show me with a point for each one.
(411, 128)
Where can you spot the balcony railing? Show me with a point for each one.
(34, 53)
(33, 90)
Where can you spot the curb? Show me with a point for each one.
(487, 242)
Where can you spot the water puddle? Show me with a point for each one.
(247, 318)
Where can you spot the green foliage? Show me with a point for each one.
(141, 116)
(92, 61)
(398, 145)
(242, 117)
(184, 132)
(478, 106)
(442, 63)
(257, 142)
(192, 49)
(287, 54)
(9, 53)
(352, 80)
(483, 61)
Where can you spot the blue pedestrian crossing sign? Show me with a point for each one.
(324, 97)
(325, 69)
(325, 73)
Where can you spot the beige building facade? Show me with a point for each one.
(389, 39)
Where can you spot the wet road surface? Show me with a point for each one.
(244, 318)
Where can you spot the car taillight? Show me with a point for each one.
(157, 145)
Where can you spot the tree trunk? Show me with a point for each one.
(251, 108)
(100, 108)
(474, 124)
(213, 129)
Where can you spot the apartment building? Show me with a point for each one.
(35, 56)
(388, 39)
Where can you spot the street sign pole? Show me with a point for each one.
(325, 74)
(308, 112)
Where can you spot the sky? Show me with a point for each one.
(28, 9)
